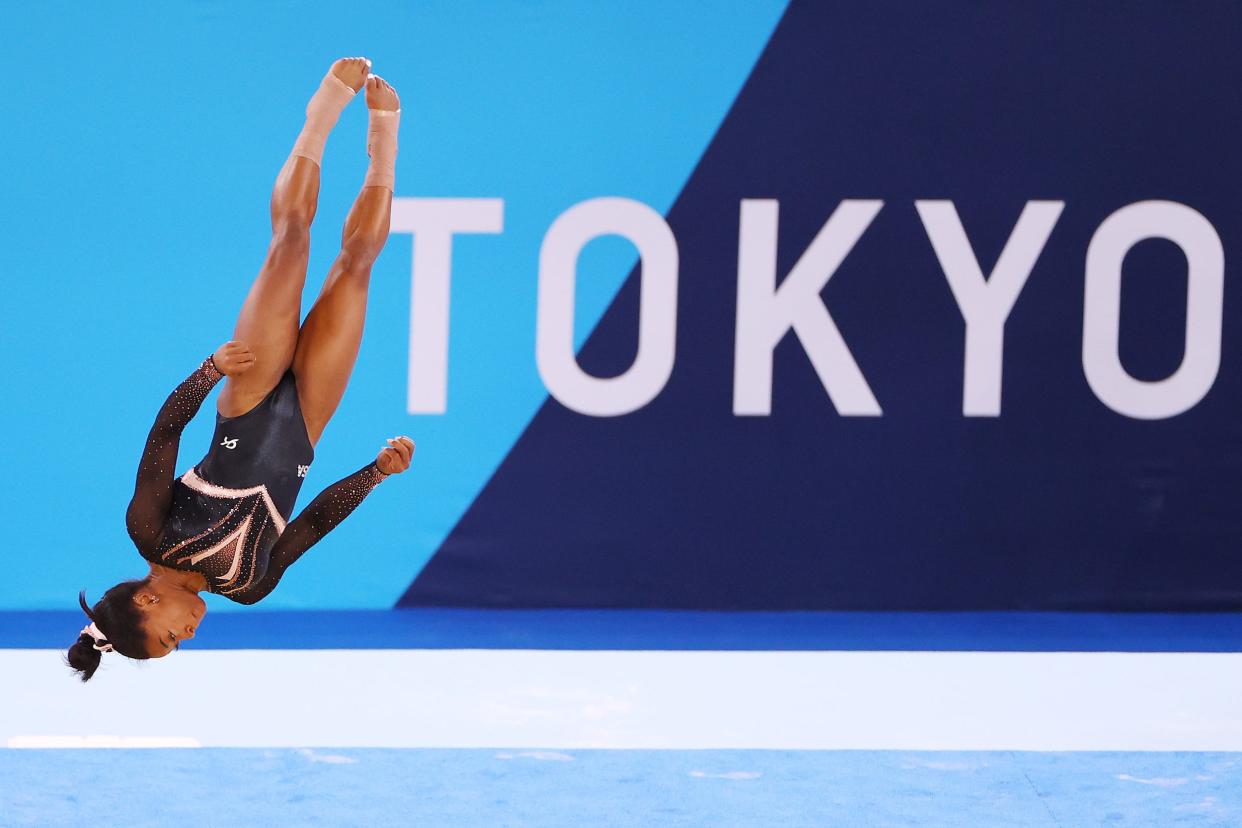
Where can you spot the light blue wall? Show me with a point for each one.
(138, 153)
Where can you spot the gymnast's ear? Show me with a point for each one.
(144, 598)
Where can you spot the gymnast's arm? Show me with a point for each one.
(148, 509)
(324, 514)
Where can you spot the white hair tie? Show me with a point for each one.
(93, 631)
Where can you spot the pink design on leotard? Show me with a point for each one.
(198, 484)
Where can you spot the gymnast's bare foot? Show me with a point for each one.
(380, 95)
(352, 72)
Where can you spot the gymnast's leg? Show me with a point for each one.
(328, 343)
(268, 322)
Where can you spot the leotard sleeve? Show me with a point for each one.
(153, 490)
(319, 518)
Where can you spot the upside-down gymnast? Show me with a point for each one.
(224, 525)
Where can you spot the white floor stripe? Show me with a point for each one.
(96, 742)
(523, 699)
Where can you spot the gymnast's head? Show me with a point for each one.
(141, 619)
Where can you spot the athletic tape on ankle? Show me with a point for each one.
(382, 147)
(321, 115)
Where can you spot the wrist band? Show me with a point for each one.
(213, 372)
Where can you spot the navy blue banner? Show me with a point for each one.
(951, 330)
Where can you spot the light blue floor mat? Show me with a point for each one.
(616, 787)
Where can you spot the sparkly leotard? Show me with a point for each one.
(228, 516)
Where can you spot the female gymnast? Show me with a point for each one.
(224, 525)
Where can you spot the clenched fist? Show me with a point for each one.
(233, 358)
(396, 458)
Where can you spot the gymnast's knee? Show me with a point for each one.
(359, 252)
(291, 238)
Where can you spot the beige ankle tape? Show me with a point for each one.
(321, 115)
(382, 147)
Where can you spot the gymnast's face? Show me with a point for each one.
(170, 616)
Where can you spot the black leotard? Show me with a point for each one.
(228, 517)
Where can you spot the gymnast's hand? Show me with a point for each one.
(396, 458)
(233, 358)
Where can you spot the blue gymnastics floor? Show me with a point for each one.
(613, 629)
(633, 718)
(617, 788)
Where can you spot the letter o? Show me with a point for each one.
(1101, 326)
(657, 316)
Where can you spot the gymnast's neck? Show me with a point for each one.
(177, 579)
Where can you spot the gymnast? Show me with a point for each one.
(224, 525)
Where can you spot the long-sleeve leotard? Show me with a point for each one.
(153, 491)
(323, 514)
(236, 535)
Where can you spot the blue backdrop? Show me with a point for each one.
(1060, 436)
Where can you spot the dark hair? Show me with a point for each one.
(118, 617)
